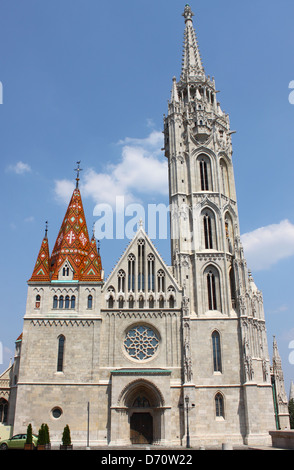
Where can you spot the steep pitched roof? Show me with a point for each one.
(72, 242)
(92, 264)
(41, 271)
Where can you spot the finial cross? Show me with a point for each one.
(78, 169)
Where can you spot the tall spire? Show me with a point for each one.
(192, 67)
(72, 243)
(92, 265)
(41, 271)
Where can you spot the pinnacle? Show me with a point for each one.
(192, 67)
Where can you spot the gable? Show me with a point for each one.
(141, 274)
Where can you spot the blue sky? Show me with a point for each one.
(88, 80)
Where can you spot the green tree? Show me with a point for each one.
(291, 412)
(42, 435)
(47, 435)
(29, 439)
(66, 439)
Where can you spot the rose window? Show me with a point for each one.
(141, 342)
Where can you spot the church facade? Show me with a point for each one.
(158, 354)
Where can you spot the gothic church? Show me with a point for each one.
(161, 354)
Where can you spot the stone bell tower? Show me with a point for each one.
(225, 317)
(201, 180)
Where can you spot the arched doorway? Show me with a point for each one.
(144, 408)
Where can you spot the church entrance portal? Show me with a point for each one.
(143, 408)
(141, 426)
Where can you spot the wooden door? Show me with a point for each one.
(141, 428)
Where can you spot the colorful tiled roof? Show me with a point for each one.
(92, 264)
(72, 245)
(41, 271)
(72, 242)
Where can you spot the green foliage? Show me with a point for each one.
(42, 435)
(66, 439)
(291, 412)
(29, 439)
(47, 434)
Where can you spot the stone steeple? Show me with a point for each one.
(206, 251)
(192, 65)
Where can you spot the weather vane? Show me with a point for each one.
(78, 169)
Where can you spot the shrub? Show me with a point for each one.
(66, 439)
(42, 435)
(29, 439)
(47, 435)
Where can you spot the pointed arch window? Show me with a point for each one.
(212, 303)
(121, 280)
(216, 348)
(161, 302)
(120, 302)
(110, 302)
(141, 301)
(219, 406)
(38, 301)
(131, 302)
(131, 273)
(161, 281)
(141, 402)
(233, 287)
(55, 301)
(73, 301)
(151, 270)
(65, 271)
(151, 301)
(141, 264)
(66, 301)
(90, 301)
(171, 302)
(61, 301)
(207, 231)
(213, 288)
(205, 173)
(60, 357)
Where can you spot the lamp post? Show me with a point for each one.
(187, 434)
(88, 426)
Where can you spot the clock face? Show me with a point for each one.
(141, 342)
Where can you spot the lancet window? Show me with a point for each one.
(216, 348)
(160, 280)
(141, 264)
(205, 182)
(131, 272)
(60, 356)
(121, 280)
(219, 405)
(213, 288)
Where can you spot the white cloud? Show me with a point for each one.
(30, 219)
(141, 170)
(265, 246)
(19, 168)
(63, 190)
